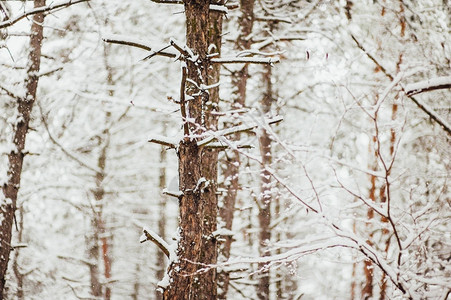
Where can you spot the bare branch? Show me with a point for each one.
(42, 9)
(9, 93)
(54, 141)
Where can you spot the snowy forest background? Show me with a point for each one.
(352, 183)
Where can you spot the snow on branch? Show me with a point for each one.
(121, 40)
(425, 108)
(240, 60)
(432, 84)
(149, 235)
(273, 19)
(164, 140)
(220, 8)
(222, 146)
(47, 8)
(214, 135)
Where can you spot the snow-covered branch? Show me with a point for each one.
(149, 235)
(432, 84)
(211, 136)
(429, 111)
(47, 8)
(240, 60)
(164, 140)
(121, 40)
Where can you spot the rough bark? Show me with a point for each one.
(196, 178)
(232, 161)
(16, 156)
(264, 214)
(209, 167)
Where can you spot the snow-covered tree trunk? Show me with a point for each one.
(197, 171)
(16, 156)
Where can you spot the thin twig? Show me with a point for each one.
(423, 107)
(38, 10)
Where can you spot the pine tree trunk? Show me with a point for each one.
(232, 161)
(209, 167)
(16, 156)
(197, 175)
(264, 214)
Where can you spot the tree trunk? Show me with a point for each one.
(197, 175)
(367, 290)
(232, 161)
(16, 156)
(209, 167)
(264, 214)
(16, 264)
(161, 258)
(101, 288)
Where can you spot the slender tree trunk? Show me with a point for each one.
(197, 176)
(354, 269)
(264, 214)
(16, 265)
(385, 231)
(162, 216)
(93, 256)
(15, 157)
(101, 236)
(232, 161)
(367, 290)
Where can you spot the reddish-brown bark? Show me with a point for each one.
(232, 160)
(191, 276)
(16, 156)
